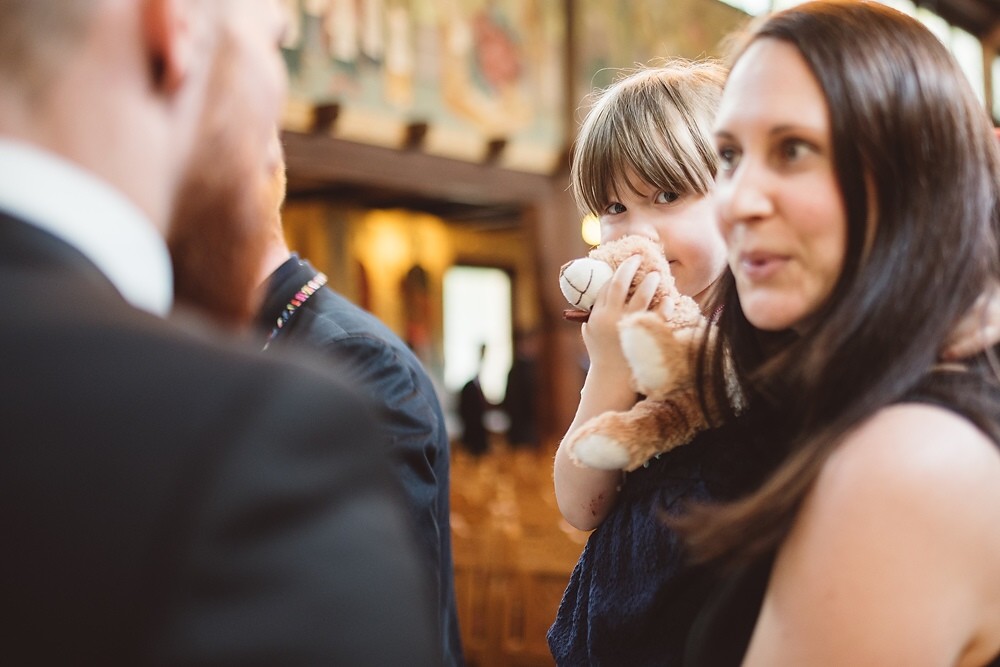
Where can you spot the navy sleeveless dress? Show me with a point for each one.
(631, 599)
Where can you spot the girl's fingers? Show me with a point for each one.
(978, 330)
(667, 308)
(643, 296)
(616, 291)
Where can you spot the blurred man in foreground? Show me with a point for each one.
(167, 497)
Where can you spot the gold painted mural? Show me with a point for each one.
(615, 35)
(469, 74)
(473, 71)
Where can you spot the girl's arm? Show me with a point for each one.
(893, 558)
(586, 495)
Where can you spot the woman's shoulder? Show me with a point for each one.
(898, 528)
(924, 461)
(915, 444)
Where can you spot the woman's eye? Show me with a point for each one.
(614, 208)
(728, 158)
(793, 149)
(666, 197)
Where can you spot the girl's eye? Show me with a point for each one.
(729, 157)
(666, 197)
(614, 208)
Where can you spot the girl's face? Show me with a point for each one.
(778, 201)
(683, 224)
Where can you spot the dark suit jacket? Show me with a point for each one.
(169, 500)
(375, 358)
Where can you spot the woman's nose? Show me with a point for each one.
(742, 195)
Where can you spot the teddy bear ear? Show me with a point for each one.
(581, 280)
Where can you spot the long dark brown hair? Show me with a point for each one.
(917, 167)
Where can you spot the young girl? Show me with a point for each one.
(858, 194)
(644, 164)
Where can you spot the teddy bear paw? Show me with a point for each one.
(644, 353)
(601, 452)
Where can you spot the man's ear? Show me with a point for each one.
(167, 30)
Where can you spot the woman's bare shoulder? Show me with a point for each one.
(914, 448)
(899, 528)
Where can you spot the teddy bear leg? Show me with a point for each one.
(661, 357)
(596, 450)
(626, 440)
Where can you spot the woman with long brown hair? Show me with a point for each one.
(858, 195)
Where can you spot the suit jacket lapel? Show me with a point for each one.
(26, 247)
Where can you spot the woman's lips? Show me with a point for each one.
(760, 265)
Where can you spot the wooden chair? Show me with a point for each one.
(513, 555)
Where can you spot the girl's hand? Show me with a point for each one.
(600, 332)
(978, 330)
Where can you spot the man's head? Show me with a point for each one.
(30, 63)
(227, 236)
(130, 90)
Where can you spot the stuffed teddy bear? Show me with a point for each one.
(660, 346)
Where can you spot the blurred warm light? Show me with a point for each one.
(387, 240)
(590, 229)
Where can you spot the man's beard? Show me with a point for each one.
(218, 232)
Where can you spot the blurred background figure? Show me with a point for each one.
(520, 400)
(472, 408)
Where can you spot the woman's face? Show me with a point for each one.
(777, 198)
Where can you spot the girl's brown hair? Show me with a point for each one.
(654, 124)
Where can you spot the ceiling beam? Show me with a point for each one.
(323, 158)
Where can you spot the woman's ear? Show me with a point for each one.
(166, 28)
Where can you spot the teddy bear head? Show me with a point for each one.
(581, 279)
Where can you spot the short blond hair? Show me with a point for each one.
(37, 37)
(654, 122)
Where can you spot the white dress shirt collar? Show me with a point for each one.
(53, 194)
